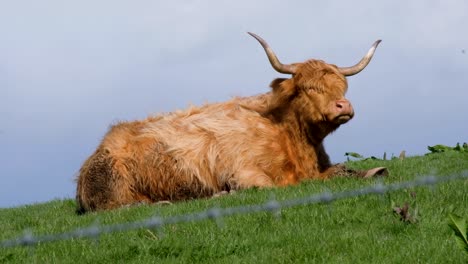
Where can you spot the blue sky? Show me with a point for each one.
(69, 70)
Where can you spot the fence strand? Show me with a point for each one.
(216, 214)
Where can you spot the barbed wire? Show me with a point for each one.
(272, 205)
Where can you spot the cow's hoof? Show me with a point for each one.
(163, 203)
(221, 193)
(375, 172)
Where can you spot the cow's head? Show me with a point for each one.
(316, 90)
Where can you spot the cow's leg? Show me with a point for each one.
(123, 197)
(244, 179)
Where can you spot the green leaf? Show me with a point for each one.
(438, 148)
(354, 155)
(458, 225)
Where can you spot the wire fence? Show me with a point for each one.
(216, 214)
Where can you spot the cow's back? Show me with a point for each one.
(217, 141)
(181, 155)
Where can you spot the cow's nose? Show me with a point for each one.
(344, 107)
(340, 104)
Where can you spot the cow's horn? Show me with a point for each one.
(348, 71)
(277, 65)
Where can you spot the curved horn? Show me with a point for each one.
(275, 63)
(348, 71)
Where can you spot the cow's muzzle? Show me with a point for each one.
(344, 111)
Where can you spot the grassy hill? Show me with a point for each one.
(362, 229)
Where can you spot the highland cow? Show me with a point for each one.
(272, 139)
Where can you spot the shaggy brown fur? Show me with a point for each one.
(273, 139)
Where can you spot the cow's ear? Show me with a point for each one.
(283, 87)
(276, 83)
(283, 90)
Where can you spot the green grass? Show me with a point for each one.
(356, 230)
